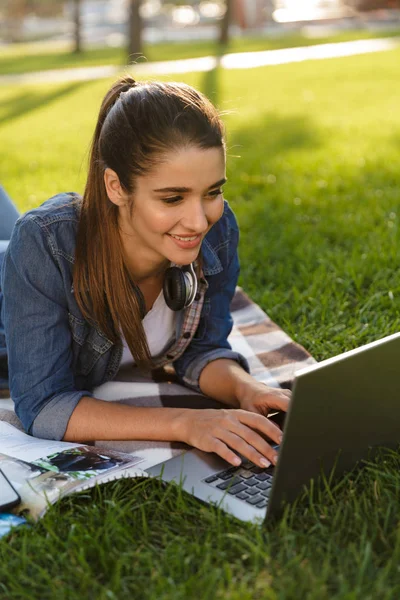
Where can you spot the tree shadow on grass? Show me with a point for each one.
(44, 61)
(274, 135)
(25, 101)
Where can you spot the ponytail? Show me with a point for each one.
(103, 288)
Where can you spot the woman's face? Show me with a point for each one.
(174, 207)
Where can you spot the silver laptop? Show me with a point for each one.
(341, 408)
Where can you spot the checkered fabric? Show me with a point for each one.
(273, 358)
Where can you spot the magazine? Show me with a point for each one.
(42, 471)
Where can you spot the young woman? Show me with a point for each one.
(142, 269)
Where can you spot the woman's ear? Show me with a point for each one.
(113, 188)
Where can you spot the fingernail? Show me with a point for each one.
(237, 461)
(265, 463)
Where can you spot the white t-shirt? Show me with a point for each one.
(159, 327)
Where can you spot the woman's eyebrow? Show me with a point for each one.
(182, 190)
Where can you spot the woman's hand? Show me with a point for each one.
(226, 431)
(258, 398)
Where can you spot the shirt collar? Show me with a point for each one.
(211, 263)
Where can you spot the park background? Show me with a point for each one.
(313, 177)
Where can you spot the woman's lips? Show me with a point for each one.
(186, 244)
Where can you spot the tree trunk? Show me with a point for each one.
(134, 31)
(16, 11)
(225, 22)
(77, 27)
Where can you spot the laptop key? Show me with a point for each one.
(242, 496)
(264, 485)
(247, 464)
(236, 489)
(252, 481)
(254, 500)
(262, 504)
(230, 482)
(211, 479)
(256, 470)
(263, 476)
(252, 491)
(228, 473)
(245, 474)
(265, 493)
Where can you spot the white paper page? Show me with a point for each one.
(25, 447)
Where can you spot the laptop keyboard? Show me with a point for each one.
(248, 482)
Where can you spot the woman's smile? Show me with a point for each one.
(186, 242)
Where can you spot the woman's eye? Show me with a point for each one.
(176, 199)
(215, 193)
(173, 200)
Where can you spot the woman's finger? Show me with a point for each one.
(243, 446)
(224, 452)
(279, 401)
(256, 441)
(260, 423)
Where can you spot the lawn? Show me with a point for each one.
(313, 176)
(24, 58)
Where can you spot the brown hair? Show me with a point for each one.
(138, 123)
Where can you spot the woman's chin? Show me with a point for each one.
(183, 257)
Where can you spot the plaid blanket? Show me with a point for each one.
(273, 358)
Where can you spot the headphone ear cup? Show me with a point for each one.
(174, 288)
(179, 287)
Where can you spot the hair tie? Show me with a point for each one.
(125, 92)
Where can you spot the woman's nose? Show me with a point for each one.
(195, 218)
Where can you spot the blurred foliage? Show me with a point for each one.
(41, 8)
(13, 12)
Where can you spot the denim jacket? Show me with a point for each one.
(55, 357)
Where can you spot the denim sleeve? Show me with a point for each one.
(37, 333)
(210, 341)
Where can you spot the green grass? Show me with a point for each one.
(24, 58)
(313, 168)
(138, 539)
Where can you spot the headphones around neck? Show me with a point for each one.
(180, 286)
